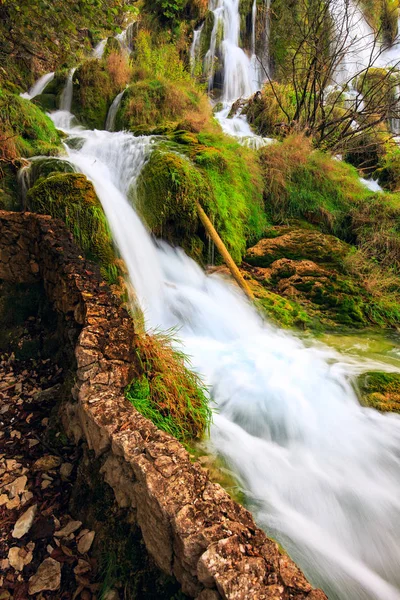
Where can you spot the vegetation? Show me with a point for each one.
(71, 197)
(38, 36)
(382, 15)
(168, 393)
(380, 390)
(163, 96)
(24, 129)
(216, 171)
(95, 85)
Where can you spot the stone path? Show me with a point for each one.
(44, 553)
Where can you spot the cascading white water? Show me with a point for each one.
(112, 111)
(98, 51)
(38, 87)
(195, 46)
(66, 96)
(321, 472)
(242, 75)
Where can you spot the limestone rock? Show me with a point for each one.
(70, 527)
(17, 486)
(47, 463)
(85, 542)
(66, 470)
(47, 577)
(24, 523)
(16, 561)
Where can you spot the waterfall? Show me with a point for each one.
(321, 472)
(38, 87)
(112, 112)
(98, 51)
(67, 93)
(195, 47)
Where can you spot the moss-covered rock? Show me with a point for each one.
(24, 129)
(49, 99)
(41, 168)
(380, 390)
(168, 189)
(310, 269)
(71, 197)
(213, 170)
(160, 106)
(382, 15)
(93, 93)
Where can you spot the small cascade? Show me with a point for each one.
(195, 47)
(112, 112)
(98, 51)
(66, 96)
(38, 87)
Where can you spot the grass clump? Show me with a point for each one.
(163, 96)
(24, 129)
(71, 198)
(380, 390)
(168, 393)
(308, 184)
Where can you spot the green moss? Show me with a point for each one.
(71, 197)
(380, 390)
(93, 93)
(161, 106)
(168, 393)
(25, 129)
(168, 189)
(213, 170)
(382, 15)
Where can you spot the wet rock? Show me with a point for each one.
(46, 578)
(24, 523)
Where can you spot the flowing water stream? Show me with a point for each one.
(320, 472)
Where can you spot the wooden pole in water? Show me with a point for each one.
(209, 227)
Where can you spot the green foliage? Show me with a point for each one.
(382, 15)
(71, 198)
(309, 184)
(168, 393)
(24, 129)
(211, 169)
(380, 390)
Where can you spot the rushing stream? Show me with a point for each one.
(321, 473)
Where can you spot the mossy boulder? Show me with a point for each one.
(25, 130)
(41, 168)
(160, 106)
(93, 93)
(168, 188)
(310, 269)
(213, 170)
(380, 390)
(72, 198)
(382, 15)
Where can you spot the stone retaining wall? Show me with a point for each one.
(190, 526)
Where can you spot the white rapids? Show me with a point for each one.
(321, 473)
